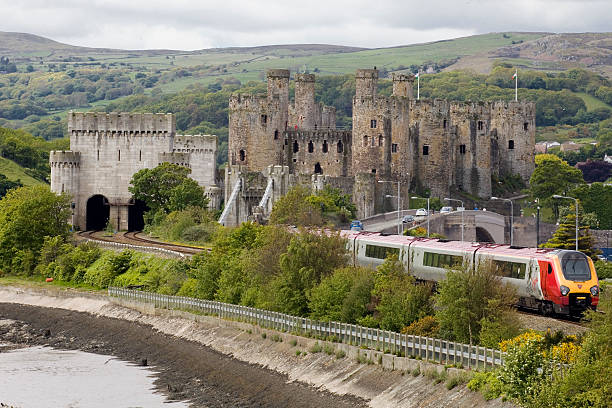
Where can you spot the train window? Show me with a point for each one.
(575, 266)
(514, 270)
(380, 252)
(436, 260)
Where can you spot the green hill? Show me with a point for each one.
(15, 172)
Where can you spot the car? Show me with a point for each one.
(446, 210)
(421, 212)
(407, 219)
(356, 225)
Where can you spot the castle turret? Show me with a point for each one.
(305, 101)
(366, 83)
(402, 85)
(278, 84)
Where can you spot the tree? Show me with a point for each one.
(6, 185)
(27, 216)
(343, 296)
(310, 257)
(552, 176)
(168, 188)
(295, 209)
(595, 170)
(399, 299)
(467, 297)
(565, 236)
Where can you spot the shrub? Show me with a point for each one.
(316, 348)
(488, 384)
(340, 354)
(426, 326)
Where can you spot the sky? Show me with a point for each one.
(198, 24)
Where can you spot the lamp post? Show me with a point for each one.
(576, 203)
(414, 198)
(399, 221)
(511, 216)
(462, 224)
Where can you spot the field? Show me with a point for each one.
(15, 172)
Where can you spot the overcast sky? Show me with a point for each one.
(197, 24)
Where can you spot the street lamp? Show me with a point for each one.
(454, 199)
(511, 216)
(416, 198)
(399, 221)
(576, 202)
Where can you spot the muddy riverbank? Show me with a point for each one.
(217, 363)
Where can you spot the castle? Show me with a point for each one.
(106, 151)
(438, 145)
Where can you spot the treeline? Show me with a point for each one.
(30, 152)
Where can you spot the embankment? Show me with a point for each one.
(214, 362)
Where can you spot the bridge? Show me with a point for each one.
(479, 226)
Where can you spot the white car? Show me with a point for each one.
(446, 210)
(421, 213)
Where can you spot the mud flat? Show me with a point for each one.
(218, 363)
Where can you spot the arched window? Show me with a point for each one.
(296, 147)
(318, 169)
(242, 155)
(310, 147)
(325, 146)
(340, 146)
(276, 134)
(365, 141)
(380, 140)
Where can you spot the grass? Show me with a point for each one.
(592, 102)
(39, 282)
(15, 172)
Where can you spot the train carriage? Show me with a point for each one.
(548, 280)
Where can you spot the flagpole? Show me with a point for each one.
(516, 85)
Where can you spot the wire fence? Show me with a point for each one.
(426, 348)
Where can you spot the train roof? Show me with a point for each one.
(482, 247)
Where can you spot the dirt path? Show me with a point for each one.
(186, 369)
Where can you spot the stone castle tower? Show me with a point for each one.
(106, 151)
(426, 145)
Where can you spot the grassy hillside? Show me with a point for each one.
(15, 172)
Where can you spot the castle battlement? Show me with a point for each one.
(64, 157)
(315, 135)
(121, 122)
(253, 102)
(180, 158)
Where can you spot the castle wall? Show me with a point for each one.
(318, 151)
(107, 149)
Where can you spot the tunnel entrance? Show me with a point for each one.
(98, 212)
(136, 215)
(482, 235)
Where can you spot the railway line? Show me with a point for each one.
(133, 238)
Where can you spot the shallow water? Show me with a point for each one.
(45, 377)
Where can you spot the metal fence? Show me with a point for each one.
(426, 348)
(141, 248)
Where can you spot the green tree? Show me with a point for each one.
(310, 257)
(27, 216)
(596, 198)
(565, 236)
(294, 208)
(167, 188)
(469, 296)
(343, 296)
(399, 299)
(552, 176)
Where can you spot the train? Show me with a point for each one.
(551, 281)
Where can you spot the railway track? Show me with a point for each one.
(133, 238)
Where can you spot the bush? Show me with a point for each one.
(488, 384)
(426, 326)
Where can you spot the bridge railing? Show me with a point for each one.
(426, 348)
